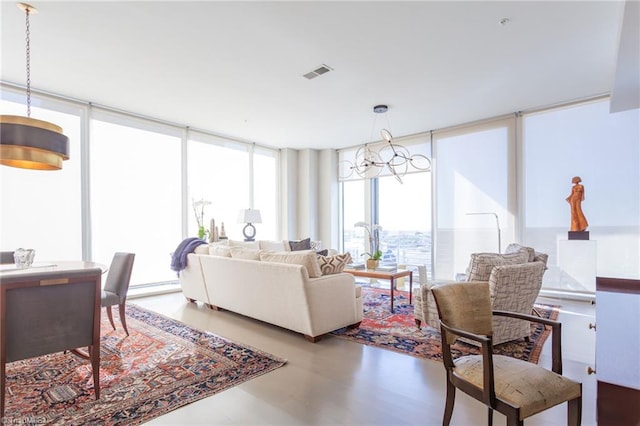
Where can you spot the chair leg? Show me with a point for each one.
(448, 408)
(490, 416)
(123, 318)
(110, 315)
(513, 419)
(575, 412)
(418, 322)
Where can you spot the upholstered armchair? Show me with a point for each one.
(514, 278)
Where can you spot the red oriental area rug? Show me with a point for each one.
(398, 331)
(161, 366)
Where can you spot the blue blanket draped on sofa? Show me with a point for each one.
(179, 256)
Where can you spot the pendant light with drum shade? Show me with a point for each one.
(26, 142)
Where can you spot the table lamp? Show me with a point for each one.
(249, 216)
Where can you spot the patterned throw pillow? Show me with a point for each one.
(481, 264)
(334, 264)
(300, 245)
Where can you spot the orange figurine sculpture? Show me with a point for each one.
(578, 220)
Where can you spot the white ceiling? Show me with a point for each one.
(235, 68)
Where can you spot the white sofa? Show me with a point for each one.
(282, 294)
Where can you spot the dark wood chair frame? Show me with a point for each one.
(487, 394)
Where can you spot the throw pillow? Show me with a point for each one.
(245, 253)
(324, 252)
(245, 244)
(300, 245)
(334, 264)
(222, 251)
(481, 264)
(273, 245)
(307, 259)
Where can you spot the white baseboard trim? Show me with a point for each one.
(153, 289)
(570, 295)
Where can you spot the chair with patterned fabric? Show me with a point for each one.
(518, 389)
(514, 278)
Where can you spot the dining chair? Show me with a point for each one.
(117, 286)
(516, 388)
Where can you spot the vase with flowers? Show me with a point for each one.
(198, 210)
(374, 254)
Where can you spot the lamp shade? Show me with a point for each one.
(249, 216)
(32, 144)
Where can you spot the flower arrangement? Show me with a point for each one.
(198, 210)
(373, 233)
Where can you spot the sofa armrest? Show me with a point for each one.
(333, 302)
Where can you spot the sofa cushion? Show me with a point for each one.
(274, 245)
(481, 264)
(333, 264)
(308, 259)
(245, 253)
(300, 245)
(223, 251)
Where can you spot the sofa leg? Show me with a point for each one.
(313, 339)
(190, 300)
(356, 325)
(418, 322)
(213, 307)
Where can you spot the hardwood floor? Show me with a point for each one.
(337, 382)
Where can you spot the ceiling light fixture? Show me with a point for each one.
(395, 158)
(28, 143)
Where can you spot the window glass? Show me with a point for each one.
(42, 209)
(583, 140)
(135, 196)
(353, 211)
(404, 212)
(475, 198)
(218, 172)
(265, 192)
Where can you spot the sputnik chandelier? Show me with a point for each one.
(369, 162)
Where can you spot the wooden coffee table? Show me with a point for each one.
(385, 275)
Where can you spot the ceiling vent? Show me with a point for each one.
(322, 69)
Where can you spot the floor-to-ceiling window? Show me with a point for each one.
(404, 212)
(218, 172)
(42, 209)
(475, 193)
(135, 192)
(353, 211)
(400, 207)
(601, 148)
(122, 188)
(265, 192)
